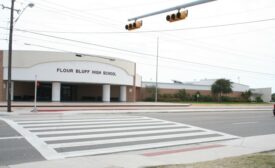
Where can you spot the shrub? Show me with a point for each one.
(245, 96)
(182, 95)
(259, 99)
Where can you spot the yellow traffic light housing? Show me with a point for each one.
(177, 16)
(133, 26)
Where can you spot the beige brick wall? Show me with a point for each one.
(145, 94)
(130, 95)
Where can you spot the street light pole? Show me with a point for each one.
(157, 67)
(10, 47)
(10, 56)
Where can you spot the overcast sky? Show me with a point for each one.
(189, 50)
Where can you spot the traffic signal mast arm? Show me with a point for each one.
(171, 9)
(170, 18)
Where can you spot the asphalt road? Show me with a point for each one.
(16, 149)
(239, 123)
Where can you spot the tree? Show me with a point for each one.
(151, 93)
(221, 86)
(182, 95)
(273, 97)
(246, 95)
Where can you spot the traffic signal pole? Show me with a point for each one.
(171, 9)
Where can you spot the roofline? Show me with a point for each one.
(186, 83)
(71, 53)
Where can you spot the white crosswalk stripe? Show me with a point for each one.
(103, 129)
(98, 142)
(76, 120)
(96, 126)
(112, 134)
(82, 123)
(61, 137)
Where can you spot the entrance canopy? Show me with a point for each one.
(67, 67)
(73, 71)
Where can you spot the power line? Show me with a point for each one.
(229, 34)
(173, 67)
(216, 66)
(236, 12)
(127, 6)
(55, 42)
(83, 42)
(63, 43)
(62, 50)
(164, 30)
(211, 48)
(217, 48)
(66, 11)
(170, 67)
(141, 53)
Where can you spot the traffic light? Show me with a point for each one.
(132, 26)
(177, 16)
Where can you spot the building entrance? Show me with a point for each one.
(44, 91)
(24, 91)
(68, 92)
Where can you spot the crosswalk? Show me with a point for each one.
(57, 137)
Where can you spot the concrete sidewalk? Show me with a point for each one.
(84, 106)
(127, 111)
(164, 156)
(139, 107)
(95, 104)
(128, 107)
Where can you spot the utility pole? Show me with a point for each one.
(35, 95)
(10, 46)
(10, 57)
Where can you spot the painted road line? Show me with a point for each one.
(139, 147)
(104, 130)
(113, 134)
(97, 126)
(37, 143)
(250, 122)
(14, 137)
(119, 140)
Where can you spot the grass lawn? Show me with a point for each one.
(227, 103)
(262, 160)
